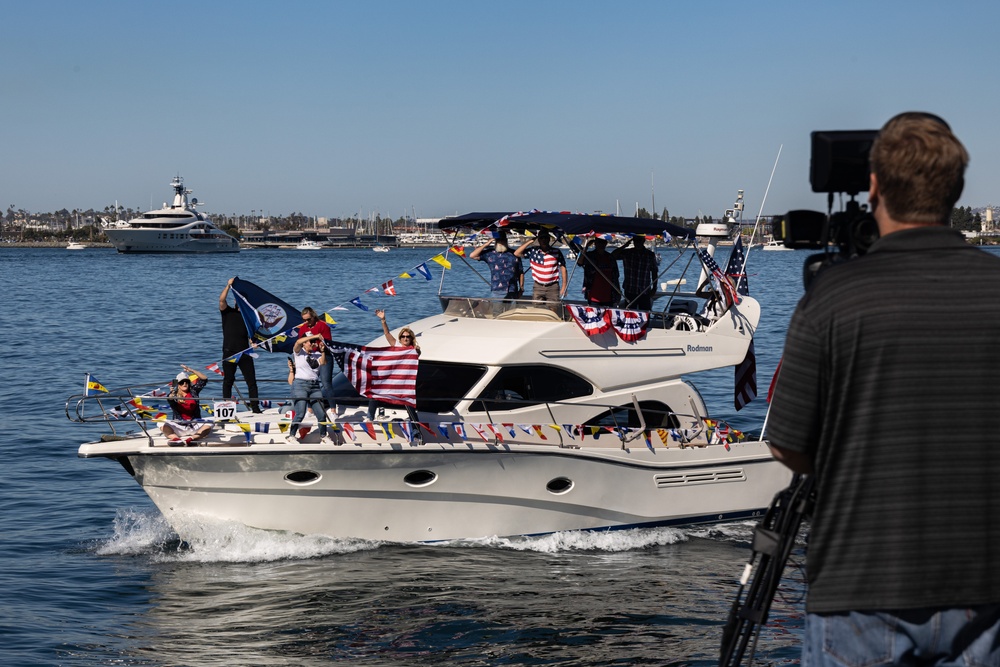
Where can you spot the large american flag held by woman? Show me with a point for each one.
(387, 374)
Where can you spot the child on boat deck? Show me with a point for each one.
(186, 427)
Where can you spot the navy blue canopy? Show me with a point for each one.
(570, 223)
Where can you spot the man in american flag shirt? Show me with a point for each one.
(548, 268)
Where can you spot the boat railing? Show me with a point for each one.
(682, 311)
(137, 411)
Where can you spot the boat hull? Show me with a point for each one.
(408, 493)
(159, 241)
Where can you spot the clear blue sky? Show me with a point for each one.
(336, 108)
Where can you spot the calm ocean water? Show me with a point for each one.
(90, 574)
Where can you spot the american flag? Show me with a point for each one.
(387, 374)
(721, 278)
(746, 379)
(735, 269)
(746, 372)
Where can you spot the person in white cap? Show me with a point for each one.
(186, 426)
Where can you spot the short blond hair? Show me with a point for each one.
(919, 166)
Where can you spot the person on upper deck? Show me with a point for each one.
(639, 266)
(234, 341)
(308, 355)
(600, 273)
(506, 270)
(887, 396)
(186, 427)
(548, 268)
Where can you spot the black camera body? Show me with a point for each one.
(838, 165)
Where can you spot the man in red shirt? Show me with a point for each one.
(314, 326)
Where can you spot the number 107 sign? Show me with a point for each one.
(224, 410)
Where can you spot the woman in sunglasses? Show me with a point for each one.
(186, 426)
(406, 339)
(307, 391)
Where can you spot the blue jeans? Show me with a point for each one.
(326, 380)
(307, 393)
(914, 638)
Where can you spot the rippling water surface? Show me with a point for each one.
(91, 575)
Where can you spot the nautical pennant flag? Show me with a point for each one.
(630, 325)
(92, 386)
(728, 291)
(592, 320)
(459, 430)
(424, 271)
(388, 288)
(348, 430)
(329, 320)
(443, 428)
(262, 427)
(214, 368)
(357, 302)
(458, 250)
(478, 428)
(387, 374)
(496, 432)
(404, 274)
(441, 260)
(407, 430)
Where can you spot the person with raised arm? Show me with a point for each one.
(548, 268)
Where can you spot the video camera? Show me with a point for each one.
(839, 164)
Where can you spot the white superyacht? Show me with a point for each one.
(174, 228)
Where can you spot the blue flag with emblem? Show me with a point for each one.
(266, 317)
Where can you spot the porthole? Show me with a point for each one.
(302, 477)
(420, 478)
(559, 485)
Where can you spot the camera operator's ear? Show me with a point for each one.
(872, 191)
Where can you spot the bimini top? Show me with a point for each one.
(568, 223)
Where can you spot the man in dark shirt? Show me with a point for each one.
(639, 268)
(887, 394)
(235, 340)
(600, 273)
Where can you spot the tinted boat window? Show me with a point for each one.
(520, 386)
(439, 386)
(656, 414)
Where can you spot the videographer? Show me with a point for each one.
(887, 394)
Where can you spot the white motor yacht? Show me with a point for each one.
(74, 245)
(309, 244)
(534, 418)
(174, 228)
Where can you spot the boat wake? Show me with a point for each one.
(146, 533)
